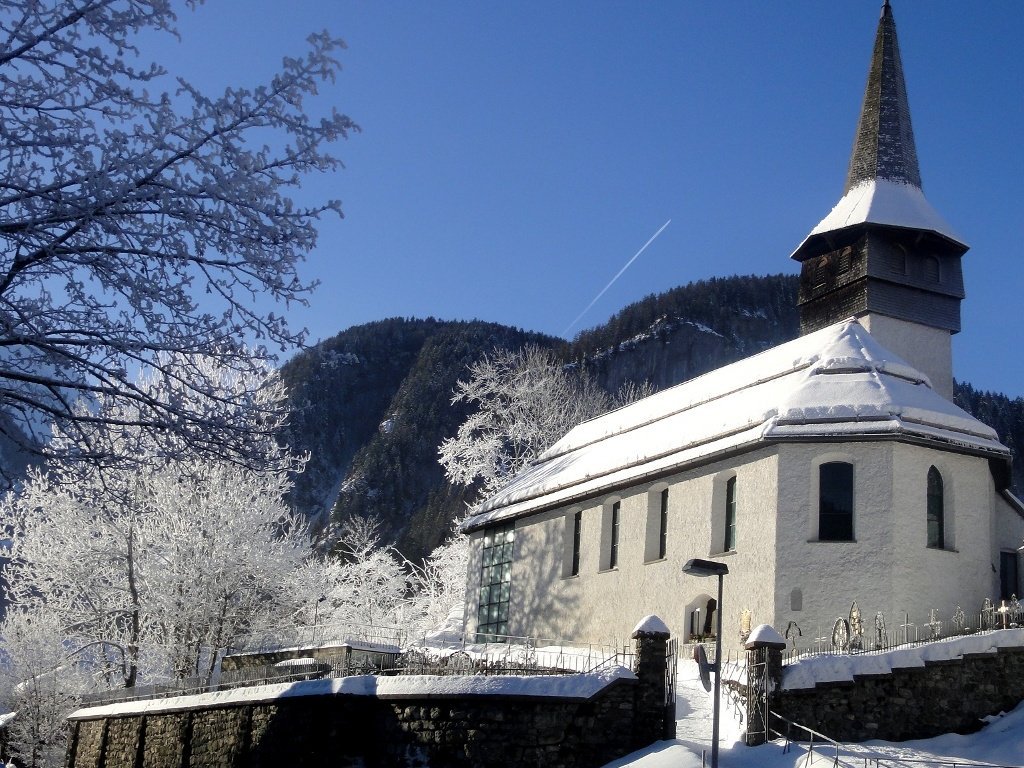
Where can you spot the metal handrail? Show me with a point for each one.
(868, 760)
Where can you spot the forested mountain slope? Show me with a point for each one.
(373, 403)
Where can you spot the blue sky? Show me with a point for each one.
(514, 156)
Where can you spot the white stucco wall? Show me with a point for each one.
(831, 575)
(888, 568)
(961, 573)
(604, 604)
(928, 349)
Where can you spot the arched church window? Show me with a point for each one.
(936, 510)
(835, 501)
(931, 269)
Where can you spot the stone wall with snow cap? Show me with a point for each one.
(911, 693)
(572, 721)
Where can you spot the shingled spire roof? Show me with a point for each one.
(884, 144)
(883, 182)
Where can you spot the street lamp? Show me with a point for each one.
(698, 567)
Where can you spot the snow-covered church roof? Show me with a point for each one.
(838, 383)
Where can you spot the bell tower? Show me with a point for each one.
(884, 254)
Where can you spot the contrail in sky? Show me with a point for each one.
(617, 276)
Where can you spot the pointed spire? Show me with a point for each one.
(884, 144)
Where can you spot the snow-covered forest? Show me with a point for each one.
(119, 577)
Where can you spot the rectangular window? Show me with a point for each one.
(613, 544)
(663, 527)
(495, 581)
(730, 515)
(835, 501)
(577, 531)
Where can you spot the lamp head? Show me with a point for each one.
(698, 567)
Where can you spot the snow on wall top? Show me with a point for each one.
(834, 383)
(767, 634)
(808, 672)
(579, 686)
(881, 201)
(652, 624)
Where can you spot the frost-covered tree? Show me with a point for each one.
(525, 402)
(39, 682)
(136, 223)
(152, 568)
(224, 545)
(439, 586)
(366, 582)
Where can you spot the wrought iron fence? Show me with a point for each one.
(270, 639)
(512, 655)
(474, 655)
(853, 634)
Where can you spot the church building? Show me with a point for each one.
(829, 470)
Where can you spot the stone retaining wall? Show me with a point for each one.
(911, 702)
(457, 730)
(359, 730)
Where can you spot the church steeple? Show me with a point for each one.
(884, 144)
(883, 253)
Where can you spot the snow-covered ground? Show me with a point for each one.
(1001, 742)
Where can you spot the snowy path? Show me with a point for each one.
(693, 708)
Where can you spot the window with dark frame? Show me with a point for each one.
(663, 529)
(936, 510)
(835, 501)
(730, 515)
(495, 581)
(577, 531)
(613, 542)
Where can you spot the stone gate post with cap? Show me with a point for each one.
(652, 713)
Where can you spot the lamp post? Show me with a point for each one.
(697, 567)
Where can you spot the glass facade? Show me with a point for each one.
(495, 580)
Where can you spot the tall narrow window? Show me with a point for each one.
(835, 501)
(613, 543)
(1008, 576)
(936, 510)
(663, 526)
(730, 515)
(495, 581)
(577, 530)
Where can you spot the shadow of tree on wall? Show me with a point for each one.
(316, 734)
(542, 611)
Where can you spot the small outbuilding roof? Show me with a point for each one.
(838, 383)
